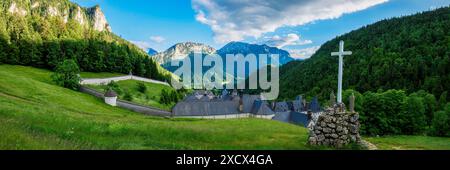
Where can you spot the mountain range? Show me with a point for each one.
(180, 51)
(183, 50)
(246, 48)
(151, 51)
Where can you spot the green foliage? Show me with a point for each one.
(168, 97)
(114, 86)
(393, 112)
(43, 41)
(440, 125)
(128, 96)
(66, 75)
(443, 100)
(412, 119)
(380, 112)
(164, 97)
(410, 53)
(35, 114)
(429, 102)
(141, 87)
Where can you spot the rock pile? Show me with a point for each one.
(335, 127)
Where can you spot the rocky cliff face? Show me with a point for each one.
(65, 9)
(17, 10)
(182, 50)
(98, 19)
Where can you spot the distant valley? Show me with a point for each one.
(187, 49)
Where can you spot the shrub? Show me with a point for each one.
(128, 96)
(443, 100)
(430, 104)
(114, 86)
(380, 111)
(66, 75)
(412, 119)
(141, 87)
(440, 126)
(164, 97)
(175, 96)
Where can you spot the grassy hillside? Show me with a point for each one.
(36, 114)
(150, 97)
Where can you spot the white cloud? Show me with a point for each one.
(303, 53)
(142, 45)
(290, 39)
(234, 20)
(157, 39)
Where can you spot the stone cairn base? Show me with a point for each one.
(335, 127)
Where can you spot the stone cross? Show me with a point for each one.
(341, 54)
(352, 103)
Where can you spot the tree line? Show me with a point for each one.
(44, 42)
(408, 53)
(394, 112)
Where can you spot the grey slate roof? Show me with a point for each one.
(261, 108)
(247, 101)
(314, 106)
(299, 118)
(282, 107)
(110, 93)
(201, 103)
(200, 108)
(283, 117)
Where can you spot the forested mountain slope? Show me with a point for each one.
(410, 53)
(42, 33)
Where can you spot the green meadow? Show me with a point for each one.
(37, 114)
(99, 75)
(149, 98)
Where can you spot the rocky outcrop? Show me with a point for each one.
(98, 19)
(52, 11)
(79, 16)
(182, 50)
(66, 10)
(335, 127)
(35, 5)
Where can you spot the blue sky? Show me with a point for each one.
(299, 26)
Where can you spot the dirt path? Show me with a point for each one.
(368, 145)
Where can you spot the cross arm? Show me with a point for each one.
(339, 53)
(347, 53)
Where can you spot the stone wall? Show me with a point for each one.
(335, 128)
(98, 81)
